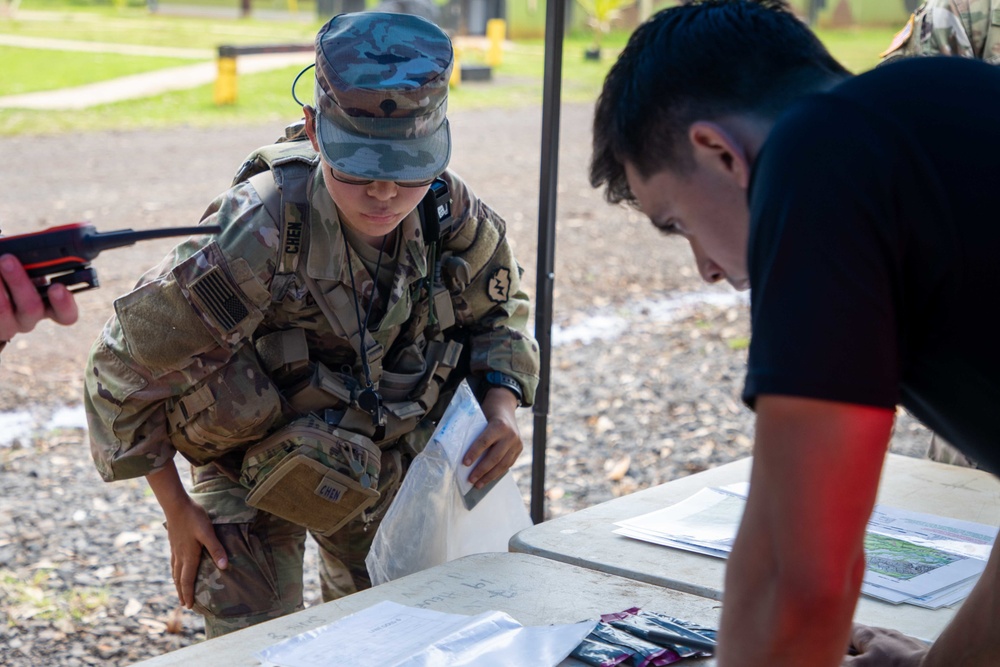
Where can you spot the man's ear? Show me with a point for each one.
(310, 116)
(713, 146)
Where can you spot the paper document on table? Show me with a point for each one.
(912, 557)
(942, 598)
(394, 635)
(706, 522)
(953, 535)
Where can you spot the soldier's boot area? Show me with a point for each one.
(263, 580)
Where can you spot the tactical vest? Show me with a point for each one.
(319, 464)
(280, 173)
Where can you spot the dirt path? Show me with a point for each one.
(142, 180)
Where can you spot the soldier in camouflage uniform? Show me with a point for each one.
(965, 28)
(326, 308)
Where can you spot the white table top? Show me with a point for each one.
(586, 537)
(535, 591)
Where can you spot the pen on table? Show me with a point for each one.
(665, 637)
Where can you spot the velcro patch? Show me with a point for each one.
(220, 299)
(162, 348)
(498, 287)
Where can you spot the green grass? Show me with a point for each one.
(265, 97)
(137, 26)
(857, 48)
(29, 70)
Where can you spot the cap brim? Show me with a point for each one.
(414, 159)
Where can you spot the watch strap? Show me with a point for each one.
(498, 379)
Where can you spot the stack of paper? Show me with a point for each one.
(395, 635)
(912, 557)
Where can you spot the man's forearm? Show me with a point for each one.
(770, 620)
(796, 569)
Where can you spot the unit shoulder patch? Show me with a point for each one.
(498, 288)
(901, 38)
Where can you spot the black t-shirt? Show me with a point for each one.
(875, 249)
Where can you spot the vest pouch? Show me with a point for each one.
(229, 410)
(312, 474)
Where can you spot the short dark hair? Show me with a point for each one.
(699, 61)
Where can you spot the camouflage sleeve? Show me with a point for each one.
(183, 323)
(487, 292)
(943, 27)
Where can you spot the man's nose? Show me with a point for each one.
(709, 270)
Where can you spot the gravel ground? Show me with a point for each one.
(646, 370)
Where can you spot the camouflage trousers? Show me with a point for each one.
(264, 577)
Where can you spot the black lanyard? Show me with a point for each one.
(369, 399)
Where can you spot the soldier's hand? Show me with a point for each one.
(190, 529)
(501, 439)
(21, 308)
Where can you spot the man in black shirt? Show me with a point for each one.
(862, 212)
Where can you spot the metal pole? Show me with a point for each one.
(555, 19)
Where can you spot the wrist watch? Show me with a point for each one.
(498, 379)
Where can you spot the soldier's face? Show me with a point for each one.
(375, 209)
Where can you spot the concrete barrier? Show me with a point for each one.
(225, 81)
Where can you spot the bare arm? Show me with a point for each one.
(796, 568)
(189, 528)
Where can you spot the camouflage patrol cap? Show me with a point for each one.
(382, 94)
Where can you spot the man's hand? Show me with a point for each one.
(501, 439)
(21, 307)
(882, 647)
(189, 528)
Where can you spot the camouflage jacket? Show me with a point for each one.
(187, 339)
(966, 28)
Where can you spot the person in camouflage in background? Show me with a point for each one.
(965, 28)
(328, 308)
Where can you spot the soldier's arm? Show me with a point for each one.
(189, 529)
(489, 301)
(163, 340)
(491, 305)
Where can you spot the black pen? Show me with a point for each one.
(665, 637)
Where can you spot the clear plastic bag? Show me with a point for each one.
(428, 522)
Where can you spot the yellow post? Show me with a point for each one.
(496, 32)
(456, 71)
(293, 6)
(225, 82)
